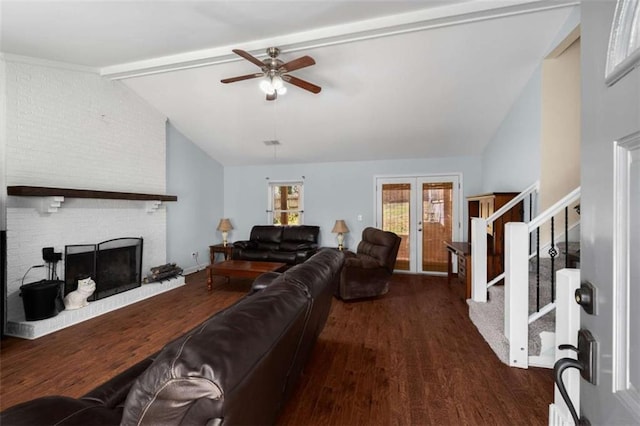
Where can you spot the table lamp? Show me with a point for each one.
(340, 228)
(224, 226)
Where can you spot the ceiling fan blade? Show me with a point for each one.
(242, 77)
(272, 97)
(302, 83)
(296, 64)
(249, 57)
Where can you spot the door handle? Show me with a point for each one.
(558, 368)
(586, 363)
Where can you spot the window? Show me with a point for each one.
(285, 203)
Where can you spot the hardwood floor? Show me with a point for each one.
(411, 357)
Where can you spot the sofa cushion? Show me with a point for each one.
(297, 245)
(252, 344)
(372, 253)
(306, 233)
(320, 275)
(245, 245)
(266, 233)
(283, 256)
(266, 245)
(363, 261)
(62, 411)
(258, 255)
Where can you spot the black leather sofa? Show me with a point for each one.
(237, 367)
(286, 244)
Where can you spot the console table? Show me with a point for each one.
(460, 284)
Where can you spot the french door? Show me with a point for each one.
(424, 211)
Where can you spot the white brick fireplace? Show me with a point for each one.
(71, 128)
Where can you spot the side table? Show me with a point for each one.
(220, 248)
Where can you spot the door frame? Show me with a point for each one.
(415, 267)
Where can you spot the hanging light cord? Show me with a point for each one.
(275, 130)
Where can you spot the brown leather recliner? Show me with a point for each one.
(367, 272)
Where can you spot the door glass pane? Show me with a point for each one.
(436, 224)
(395, 218)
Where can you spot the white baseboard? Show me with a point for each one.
(193, 269)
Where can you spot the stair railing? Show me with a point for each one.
(518, 237)
(479, 227)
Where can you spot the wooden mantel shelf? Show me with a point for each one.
(41, 191)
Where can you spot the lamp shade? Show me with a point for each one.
(340, 227)
(224, 225)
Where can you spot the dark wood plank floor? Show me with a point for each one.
(411, 357)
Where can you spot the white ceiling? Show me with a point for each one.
(399, 79)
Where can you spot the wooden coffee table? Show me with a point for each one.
(240, 269)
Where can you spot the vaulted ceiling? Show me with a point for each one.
(399, 79)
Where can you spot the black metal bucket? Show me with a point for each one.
(42, 299)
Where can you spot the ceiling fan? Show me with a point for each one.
(275, 73)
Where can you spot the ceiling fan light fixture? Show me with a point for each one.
(277, 83)
(267, 87)
(271, 85)
(275, 72)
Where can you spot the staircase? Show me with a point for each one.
(515, 312)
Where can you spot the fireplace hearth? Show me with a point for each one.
(115, 266)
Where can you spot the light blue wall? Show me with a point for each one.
(511, 161)
(341, 190)
(198, 181)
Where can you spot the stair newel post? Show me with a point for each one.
(516, 293)
(566, 331)
(479, 259)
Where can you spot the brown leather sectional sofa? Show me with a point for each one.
(237, 367)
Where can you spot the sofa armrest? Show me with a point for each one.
(246, 244)
(348, 254)
(263, 281)
(115, 391)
